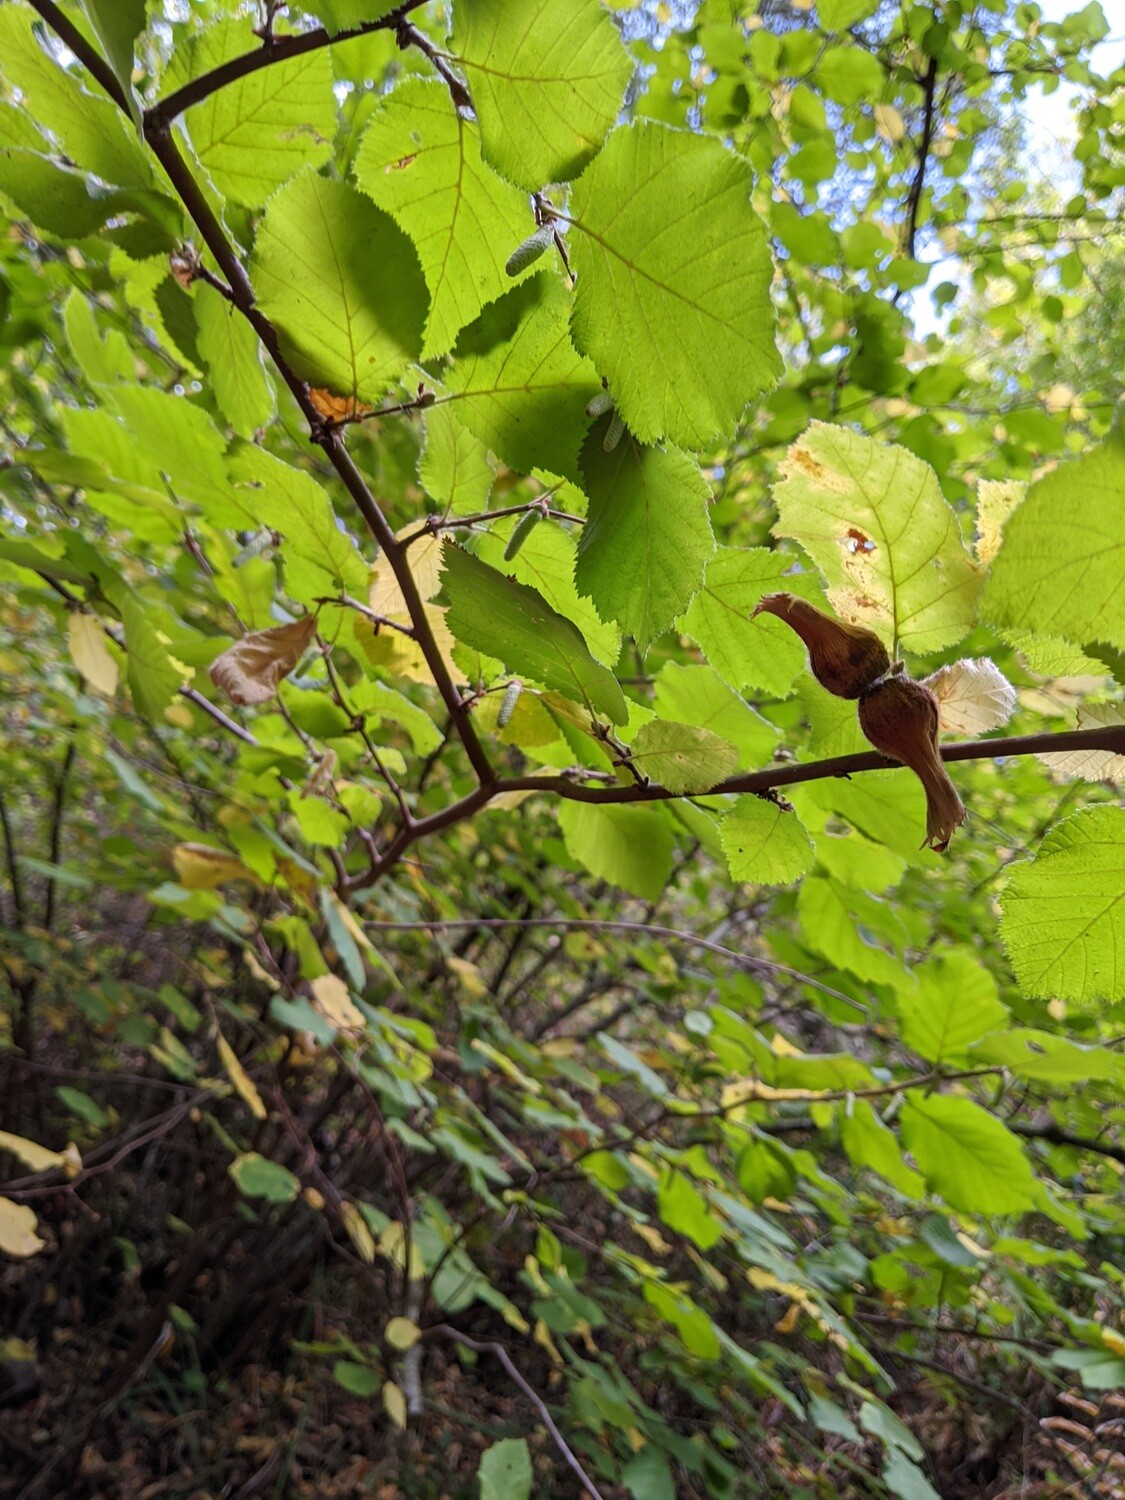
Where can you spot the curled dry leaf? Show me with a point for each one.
(250, 670)
(1092, 765)
(335, 408)
(973, 696)
(40, 1158)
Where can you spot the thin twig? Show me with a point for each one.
(443, 1330)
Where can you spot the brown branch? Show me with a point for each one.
(273, 50)
(13, 866)
(1111, 738)
(443, 1330)
(915, 200)
(58, 803)
(159, 138)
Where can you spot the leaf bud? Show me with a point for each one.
(843, 658)
(530, 250)
(900, 718)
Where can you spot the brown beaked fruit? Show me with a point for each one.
(900, 718)
(843, 658)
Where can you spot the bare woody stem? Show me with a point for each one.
(1110, 739)
(164, 148)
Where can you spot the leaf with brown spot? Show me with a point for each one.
(250, 670)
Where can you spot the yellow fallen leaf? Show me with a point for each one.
(243, 1084)
(39, 1158)
(17, 1229)
(401, 1333)
(394, 1403)
(424, 558)
(358, 1232)
(337, 408)
(90, 654)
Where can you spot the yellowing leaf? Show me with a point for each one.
(201, 868)
(17, 1229)
(874, 520)
(243, 1084)
(889, 123)
(996, 499)
(39, 1158)
(250, 670)
(973, 696)
(401, 1333)
(90, 654)
(394, 1403)
(358, 1232)
(424, 557)
(335, 1004)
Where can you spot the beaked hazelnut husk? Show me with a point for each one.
(843, 658)
(900, 718)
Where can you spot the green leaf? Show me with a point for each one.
(505, 1471)
(154, 678)
(90, 129)
(682, 757)
(348, 15)
(967, 1155)
(838, 15)
(510, 621)
(698, 695)
(672, 302)
(105, 360)
(647, 535)
(765, 844)
(1042, 1055)
(1060, 570)
(648, 1476)
(547, 77)
(255, 134)
(545, 563)
(762, 653)
(420, 160)
(879, 1420)
(454, 469)
(319, 557)
(874, 520)
(348, 326)
(857, 861)
(360, 1380)
(518, 382)
(848, 74)
(1063, 921)
(847, 927)
(258, 1177)
(869, 1143)
(232, 354)
(58, 199)
(1098, 1369)
(630, 846)
(683, 1208)
(955, 1004)
(117, 24)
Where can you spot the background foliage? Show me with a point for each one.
(438, 1059)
